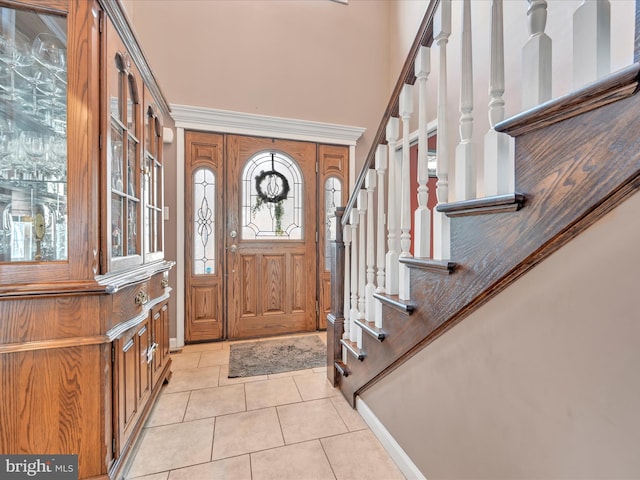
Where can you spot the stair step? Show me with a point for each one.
(342, 368)
(352, 348)
(438, 266)
(371, 329)
(394, 302)
(511, 202)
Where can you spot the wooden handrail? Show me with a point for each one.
(424, 37)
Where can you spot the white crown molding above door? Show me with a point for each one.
(224, 121)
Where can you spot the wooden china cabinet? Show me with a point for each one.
(84, 290)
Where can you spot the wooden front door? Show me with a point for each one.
(255, 263)
(270, 236)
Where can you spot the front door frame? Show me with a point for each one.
(223, 121)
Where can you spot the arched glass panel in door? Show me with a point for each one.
(272, 201)
(204, 221)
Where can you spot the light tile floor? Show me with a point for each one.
(292, 425)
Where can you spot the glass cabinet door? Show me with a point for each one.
(33, 136)
(153, 184)
(124, 161)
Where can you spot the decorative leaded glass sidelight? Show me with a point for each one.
(272, 202)
(332, 199)
(204, 221)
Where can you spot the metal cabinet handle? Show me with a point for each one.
(141, 298)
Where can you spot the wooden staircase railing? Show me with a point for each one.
(387, 304)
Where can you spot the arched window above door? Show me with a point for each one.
(272, 201)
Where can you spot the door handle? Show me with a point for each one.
(233, 248)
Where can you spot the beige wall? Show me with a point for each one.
(542, 381)
(313, 60)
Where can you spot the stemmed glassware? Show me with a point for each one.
(34, 145)
(13, 54)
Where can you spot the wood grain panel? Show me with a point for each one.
(249, 292)
(44, 386)
(49, 318)
(299, 272)
(273, 284)
(205, 301)
(144, 370)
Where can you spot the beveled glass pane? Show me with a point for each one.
(272, 201)
(116, 158)
(117, 210)
(131, 107)
(132, 227)
(204, 221)
(148, 228)
(332, 199)
(33, 136)
(132, 187)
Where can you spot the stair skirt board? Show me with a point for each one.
(402, 460)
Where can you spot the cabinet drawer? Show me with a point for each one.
(129, 302)
(156, 286)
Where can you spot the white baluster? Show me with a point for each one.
(370, 185)
(441, 226)
(536, 58)
(381, 166)
(362, 245)
(406, 108)
(391, 283)
(465, 180)
(422, 221)
(353, 314)
(346, 237)
(499, 176)
(591, 41)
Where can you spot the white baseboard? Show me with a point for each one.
(173, 343)
(404, 463)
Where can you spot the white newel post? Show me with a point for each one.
(405, 110)
(499, 148)
(536, 58)
(362, 267)
(422, 216)
(465, 180)
(346, 237)
(370, 185)
(591, 41)
(441, 227)
(381, 166)
(353, 313)
(393, 252)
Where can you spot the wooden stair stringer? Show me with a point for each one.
(572, 173)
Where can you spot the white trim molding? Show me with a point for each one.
(395, 451)
(224, 121)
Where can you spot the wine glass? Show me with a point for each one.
(48, 50)
(7, 149)
(58, 151)
(14, 54)
(34, 145)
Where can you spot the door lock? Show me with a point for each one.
(233, 234)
